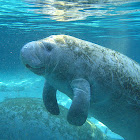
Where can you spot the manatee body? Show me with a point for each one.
(101, 82)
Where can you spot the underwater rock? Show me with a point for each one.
(27, 118)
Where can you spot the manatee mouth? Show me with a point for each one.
(38, 71)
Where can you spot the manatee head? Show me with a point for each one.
(37, 56)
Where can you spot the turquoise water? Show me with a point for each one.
(112, 24)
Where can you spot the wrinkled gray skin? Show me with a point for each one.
(101, 82)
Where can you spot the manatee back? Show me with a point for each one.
(107, 67)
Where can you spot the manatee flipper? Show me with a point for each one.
(49, 99)
(78, 111)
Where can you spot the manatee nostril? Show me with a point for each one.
(28, 66)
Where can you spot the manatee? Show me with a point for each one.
(101, 82)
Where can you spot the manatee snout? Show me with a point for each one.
(33, 57)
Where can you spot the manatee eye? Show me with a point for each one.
(28, 66)
(48, 46)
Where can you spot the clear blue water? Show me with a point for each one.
(112, 24)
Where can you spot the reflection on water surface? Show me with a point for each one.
(71, 10)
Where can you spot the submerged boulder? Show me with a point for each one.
(27, 118)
